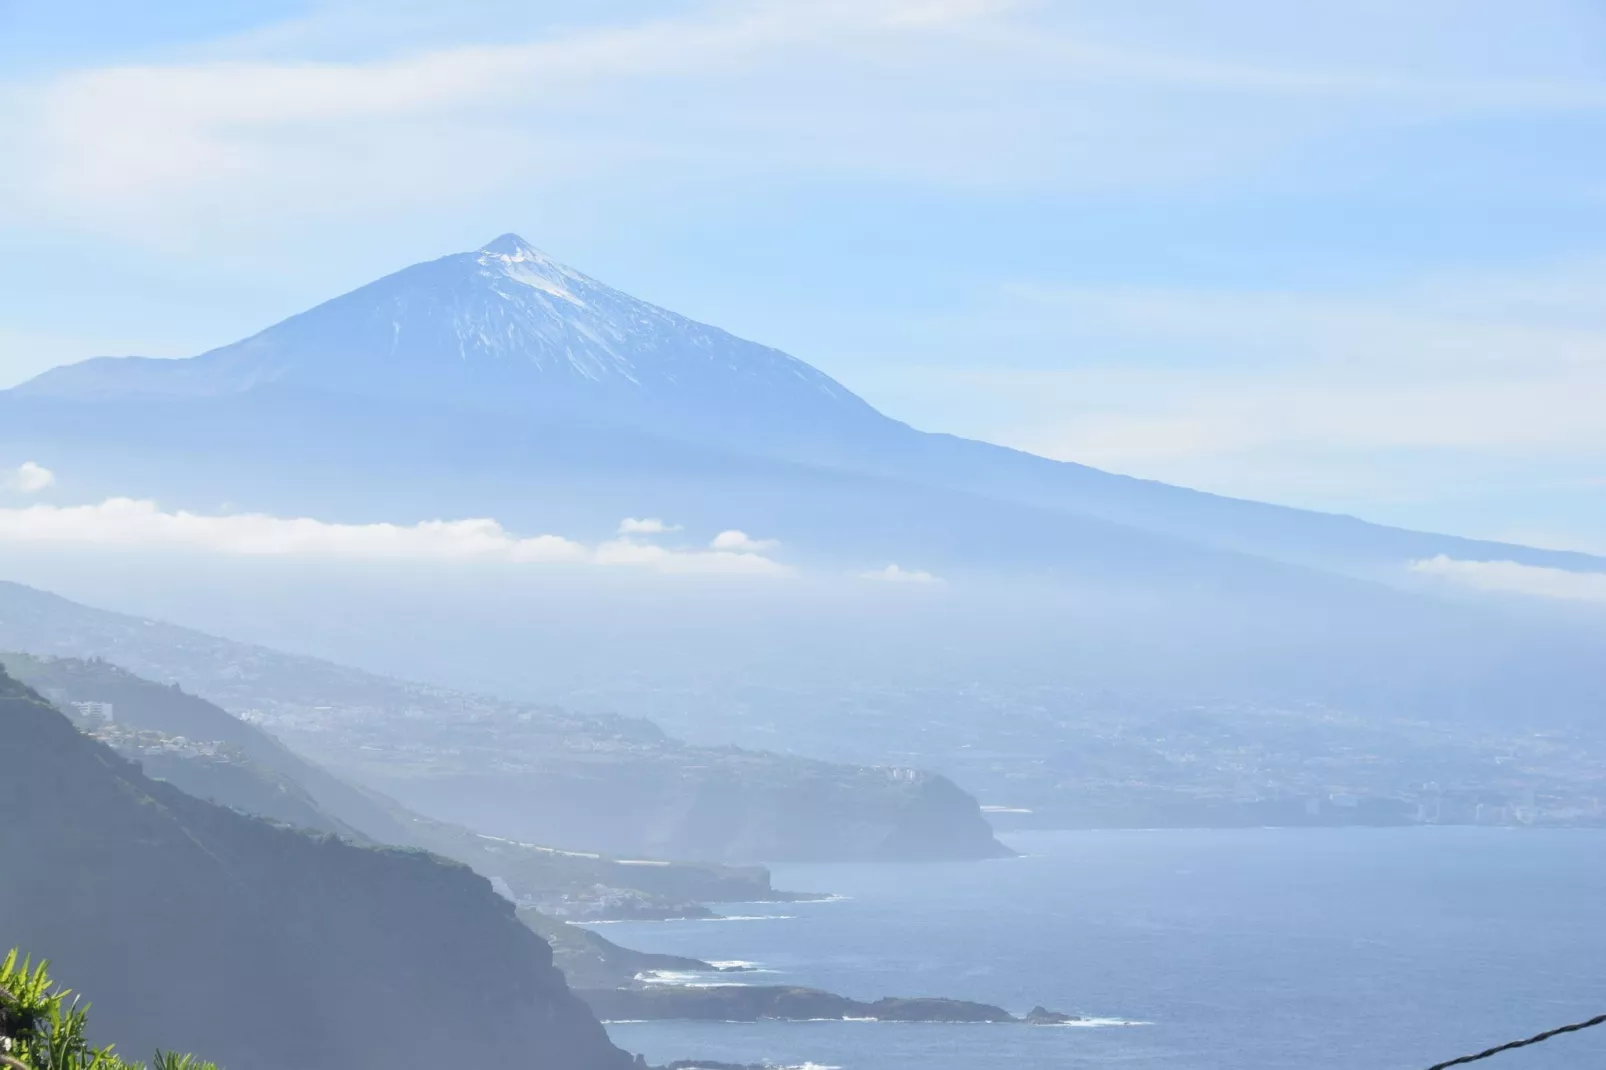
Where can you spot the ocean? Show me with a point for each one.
(1252, 949)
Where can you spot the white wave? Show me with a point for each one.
(667, 921)
(668, 982)
(685, 979)
(668, 977)
(734, 964)
(1091, 1023)
(787, 1066)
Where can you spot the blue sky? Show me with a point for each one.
(1342, 255)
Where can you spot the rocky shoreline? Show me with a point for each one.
(753, 1003)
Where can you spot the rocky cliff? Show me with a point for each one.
(191, 925)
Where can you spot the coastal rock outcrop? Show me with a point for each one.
(752, 1003)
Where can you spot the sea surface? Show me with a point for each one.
(1258, 949)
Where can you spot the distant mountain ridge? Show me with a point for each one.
(584, 782)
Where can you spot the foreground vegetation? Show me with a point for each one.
(42, 1027)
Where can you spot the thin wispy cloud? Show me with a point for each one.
(178, 131)
(1071, 100)
(130, 524)
(894, 573)
(1337, 399)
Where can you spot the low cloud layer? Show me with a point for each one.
(126, 523)
(27, 478)
(1513, 578)
(898, 574)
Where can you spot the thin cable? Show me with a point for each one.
(1538, 1038)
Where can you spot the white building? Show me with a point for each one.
(94, 711)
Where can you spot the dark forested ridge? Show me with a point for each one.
(192, 926)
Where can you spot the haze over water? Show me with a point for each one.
(1257, 949)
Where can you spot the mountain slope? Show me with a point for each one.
(507, 328)
(195, 926)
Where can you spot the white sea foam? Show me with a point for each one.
(668, 977)
(787, 1066)
(1090, 1023)
(686, 979)
(666, 921)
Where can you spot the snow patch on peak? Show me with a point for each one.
(515, 259)
(542, 280)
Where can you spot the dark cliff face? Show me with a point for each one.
(941, 820)
(195, 927)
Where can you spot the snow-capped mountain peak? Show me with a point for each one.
(510, 327)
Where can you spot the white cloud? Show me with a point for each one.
(125, 523)
(28, 478)
(645, 526)
(1070, 93)
(1514, 578)
(188, 137)
(740, 541)
(897, 574)
(627, 552)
